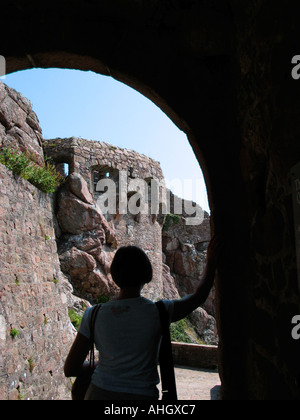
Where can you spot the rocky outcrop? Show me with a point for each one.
(170, 290)
(86, 241)
(19, 125)
(184, 249)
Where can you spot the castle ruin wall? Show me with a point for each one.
(94, 160)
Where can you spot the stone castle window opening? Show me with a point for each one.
(67, 169)
(63, 168)
(101, 173)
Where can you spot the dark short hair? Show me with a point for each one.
(131, 267)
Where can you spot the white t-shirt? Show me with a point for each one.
(127, 336)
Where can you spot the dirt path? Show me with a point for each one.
(196, 384)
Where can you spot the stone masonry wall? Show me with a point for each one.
(85, 155)
(93, 160)
(33, 296)
(35, 330)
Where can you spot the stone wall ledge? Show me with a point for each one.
(194, 355)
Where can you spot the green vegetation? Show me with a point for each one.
(171, 220)
(75, 318)
(178, 332)
(29, 166)
(183, 331)
(21, 396)
(14, 333)
(55, 280)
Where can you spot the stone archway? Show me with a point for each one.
(208, 67)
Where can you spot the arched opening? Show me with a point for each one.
(218, 205)
(110, 172)
(221, 71)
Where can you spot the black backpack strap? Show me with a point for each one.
(95, 311)
(166, 363)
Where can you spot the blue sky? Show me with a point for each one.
(95, 107)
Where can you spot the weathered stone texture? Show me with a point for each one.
(84, 156)
(84, 228)
(204, 357)
(33, 296)
(184, 249)
(19, 125)
(87, 242)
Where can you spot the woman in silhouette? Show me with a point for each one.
(128, 329)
